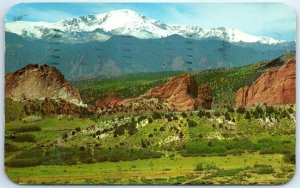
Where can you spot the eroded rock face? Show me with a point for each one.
(204, 97)
(38, 83)
(181, 93)
(275, 86)
(111, 100)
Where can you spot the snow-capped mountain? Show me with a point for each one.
(101, 27)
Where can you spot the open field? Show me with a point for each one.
(176, 170)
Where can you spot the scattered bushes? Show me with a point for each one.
(205, 166)
(27, 158)
(30, 128)
(23, 162)
(25, 138)
(229, 172)
(124, 154)
(9, 147)
(13, 110)
(216, 147)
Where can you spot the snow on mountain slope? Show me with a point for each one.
(124, 22)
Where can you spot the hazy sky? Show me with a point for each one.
(264, 19)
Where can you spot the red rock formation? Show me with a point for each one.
(181, 93)
(111, 100)
(275, 86)
(37, 83)
(204, 97)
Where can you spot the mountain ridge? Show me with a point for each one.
(101, 27)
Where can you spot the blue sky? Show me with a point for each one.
(264, 19)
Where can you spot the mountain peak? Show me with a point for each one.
(102, 26)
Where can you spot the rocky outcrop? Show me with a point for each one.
(35, 82)
(111, 100)
(275, 86)
(181, 93)
(204, 97)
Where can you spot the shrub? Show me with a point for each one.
(27, 129)
(217, 113)
(199, 167)
(62, 156)
(65, 136)
(241, 110)
(291, 110)
(13, 110)
(156, 115)
(270, 110)
(201, 113)
(181, 135)
(124, 154)
(27, 158)
(9, 147)
(82, 148)
(23, 162)
(131, 127)
(290, 158)
(86, 157)
(203, 166)
(191, 123)
(184, 115)
(24, 138)
(144, 145)
(150, 120)
(248, 116)
(229, 172)
(208, 115)
(77, 129)
(119, 130)
(141, 118)
(227, 116)
(230, 109)
(263, 169)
